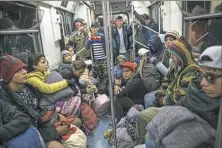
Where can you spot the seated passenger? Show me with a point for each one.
(170, 36)
(202, 102)
(79, 68)
(38, 71)
(117, 69)
(199, 100)
(65, 67)
(14, 91)
(72, 51)
(12, 122)
(186, 70)
(156, 47)
(132, 93)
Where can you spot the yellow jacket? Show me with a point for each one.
(37, 80)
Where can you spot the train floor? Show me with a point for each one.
(98, 141)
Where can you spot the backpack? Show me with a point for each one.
(70, 106)
(149, 74)
(101, 104)
(88, 116)
(28, 139)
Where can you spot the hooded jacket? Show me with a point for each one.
(157, 47)
(199, 103)
(187, 71)
(48, 133)
(10, 120)
(37, 80)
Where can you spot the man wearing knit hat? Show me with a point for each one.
(203, 101)
(170, 36)
(186, 71)
(13, 90)
(132, 93)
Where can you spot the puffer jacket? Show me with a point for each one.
(10, 120)
(47, 132)
(37, 80)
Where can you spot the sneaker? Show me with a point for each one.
(107, 134)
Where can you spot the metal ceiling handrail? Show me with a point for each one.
(147, 27)
(17, 31)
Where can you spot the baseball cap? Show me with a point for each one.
(129, 65)
(211, 57)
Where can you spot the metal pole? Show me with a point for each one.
(110, 39)
(133, 31)
(141, 44)
(109, 69)
(147, 27)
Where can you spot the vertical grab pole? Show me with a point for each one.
(133, 32)
(110, 38)
(109, 68)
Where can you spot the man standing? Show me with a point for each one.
(97, 41)
(121, 34)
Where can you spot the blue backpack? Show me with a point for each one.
(28, 139)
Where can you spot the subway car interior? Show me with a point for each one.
(131, 74)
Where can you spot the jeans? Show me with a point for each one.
(149, 99)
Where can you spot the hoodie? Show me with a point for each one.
(186, 72)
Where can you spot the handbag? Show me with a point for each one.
(76, 139)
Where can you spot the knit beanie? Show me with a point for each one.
(173, 34)
(63, 53)
(121, 57)
(9, 65)
(179, 49)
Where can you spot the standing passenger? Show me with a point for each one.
(121, 34)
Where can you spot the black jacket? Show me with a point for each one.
(134, 90)
(48, 133)
(12, 122)
(199, 103)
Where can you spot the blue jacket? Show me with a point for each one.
(127, 32)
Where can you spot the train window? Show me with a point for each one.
(68, 20)
(20, 43)
(19, 25)
(203, 26)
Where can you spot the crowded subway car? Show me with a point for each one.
(102, 74)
